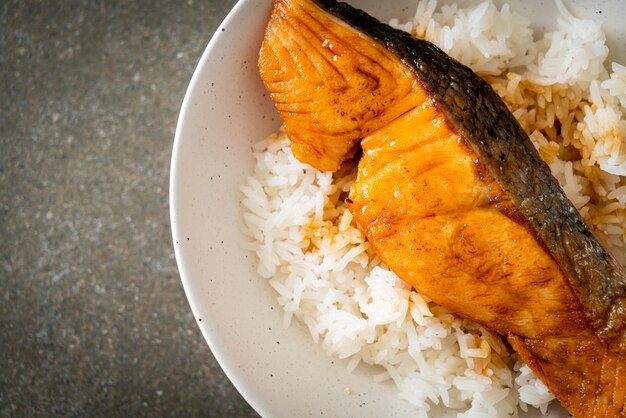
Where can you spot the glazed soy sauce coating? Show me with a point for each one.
(482, 118)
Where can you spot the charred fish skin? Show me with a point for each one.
(482, 118)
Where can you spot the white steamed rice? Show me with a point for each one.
(326, 274)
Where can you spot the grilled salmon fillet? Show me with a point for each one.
(451, 193)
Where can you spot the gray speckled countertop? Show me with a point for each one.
(93, 318)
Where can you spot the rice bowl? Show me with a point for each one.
(248, 296)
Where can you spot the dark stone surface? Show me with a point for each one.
(93, 318)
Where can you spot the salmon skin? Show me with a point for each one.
(451, 193)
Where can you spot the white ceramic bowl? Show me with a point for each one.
(280, 372)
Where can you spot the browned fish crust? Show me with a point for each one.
(480, 116)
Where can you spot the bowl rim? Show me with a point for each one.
(185, 277)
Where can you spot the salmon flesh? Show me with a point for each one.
(451, 193)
